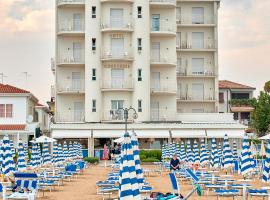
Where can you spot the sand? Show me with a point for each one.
(84, 188)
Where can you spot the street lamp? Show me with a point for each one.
(126, 110)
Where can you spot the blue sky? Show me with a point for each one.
(27, 43)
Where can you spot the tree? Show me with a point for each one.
(267, 87)
(260, 117)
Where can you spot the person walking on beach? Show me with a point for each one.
(175, 163)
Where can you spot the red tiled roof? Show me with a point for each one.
(17, 127)
(5, 88)
(224, 84)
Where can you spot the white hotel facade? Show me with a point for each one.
(158, 56)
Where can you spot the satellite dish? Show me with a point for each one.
(30, 118)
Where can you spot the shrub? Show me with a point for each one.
(150, 160)
(143, 156)
(150, 154)
(92, 160)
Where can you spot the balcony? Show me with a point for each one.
(116, 54)
(70, 86)
(190, 99)
(163, 87)
(117, 85)
(117, 1)
(162, 114)
(115, 116)
(124, 25)
(71, 28)
(162, 3)
(162, 61)
(71, 116)
(163, 28)
(70, 3)
(197, 45)
(71, 59)
(196, 21)
(183, 73)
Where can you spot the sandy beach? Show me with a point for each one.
(84, 187)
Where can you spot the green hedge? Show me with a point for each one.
(150, 160)
(144, 154)
(92, 160)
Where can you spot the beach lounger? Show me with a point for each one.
(227, 193)
(258, 193)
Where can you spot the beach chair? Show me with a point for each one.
(258, 193)
(227, 193)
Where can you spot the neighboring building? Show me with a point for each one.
(20, 114)
(233, 98)
(160, 57)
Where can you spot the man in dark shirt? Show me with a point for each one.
(175, 163)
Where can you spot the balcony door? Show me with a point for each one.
(154, 106)
(117, 47)
(155, 22)
(155, 81)
(77, 21)
(197, 66)
(178, 39)
(78, 111)
(76, 80)
(115, 112)
(117, 78)
(77, 51)
(197, 15)
(197, 91)
(117, 17)
(155, 51)
(197, 40)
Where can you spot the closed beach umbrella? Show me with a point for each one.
(172, 150)
(190, 155)
(183, 155)
(163, 152)
(74, 150)
(220, 154)
(55, 154)
(262, 150)
(80, 151)
(21, 162)
(227, 153)
(246, 161)
(66, 153)
(138, 168)
(235, 154)
(196, 152)
(60, 153)
(70, 150)
(34, 156)
(204, 158)
(266, 167)
(46, 154)
(214, 159)
(8, 166)
(1, 156)
(12, 148)
(128, 183)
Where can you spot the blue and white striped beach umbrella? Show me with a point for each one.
(39, 160)
(60, 153)
(46, 154)
(163, 152)
(172, 149)
(21, 161)
(214, 159)
(196, 152)
(25, 146)
(12, 148)
(8, 166)
(34, 162)
(245, 157)
(220, 154)
(183, 154)
(80, 153)
(70, 150)
(227, 153)
(128, 183)
(266, 166)
(139, 171)
(55, 154)
(75, 149)
(65, 149)
(1, 156)
(204, 158)
(190, 154)
(235, 154)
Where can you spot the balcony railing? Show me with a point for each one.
(163, 1)
(184, 97)
(162, 114)
(70, 116)
(121, 24)
(184, 72)
(114, 115)
(117, 84)
(161, 59)
(71, 26)
(72, 2)
(197, 44)
(70, 86)
(163, 85)
(163, 26)
(116, 53)
(71, 57)
(195, 19)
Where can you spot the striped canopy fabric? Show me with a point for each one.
(34, 162)
(70, 150)
(75, 149)
(128, 183)
(12, 148)
(60, 153)
(227, 153)
(55, 154)
(172, 149)
(214, 159)
(204, 158)
(21, 161)
(220, 154)
(246, 161)
(163, 152)
(80, 154)
(66, 153)
(1, 156)
(177, 146)
(8, 166)
(235, 154)
(39, 155)
(196, 152)
(139, 171)
(183, 155)
(190, 154)
(46, 154)
(266, 167)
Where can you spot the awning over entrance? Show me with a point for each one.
(221, 133)
(188, 133)
(71, 134)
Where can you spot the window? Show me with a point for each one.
(94, 14)
(94, 105)
(117, 47)
(139, 74)
(117, 78)
(221, 97)
(94, 77)
(139, 44)
(140, 105)
(198, 15)
(197, 40)
(94, 44)
(6, 110)
(2, 110)
(139, 9)
(197, 65)
(240, 95)
(178, 39)
(197, 91)
(116, 17)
